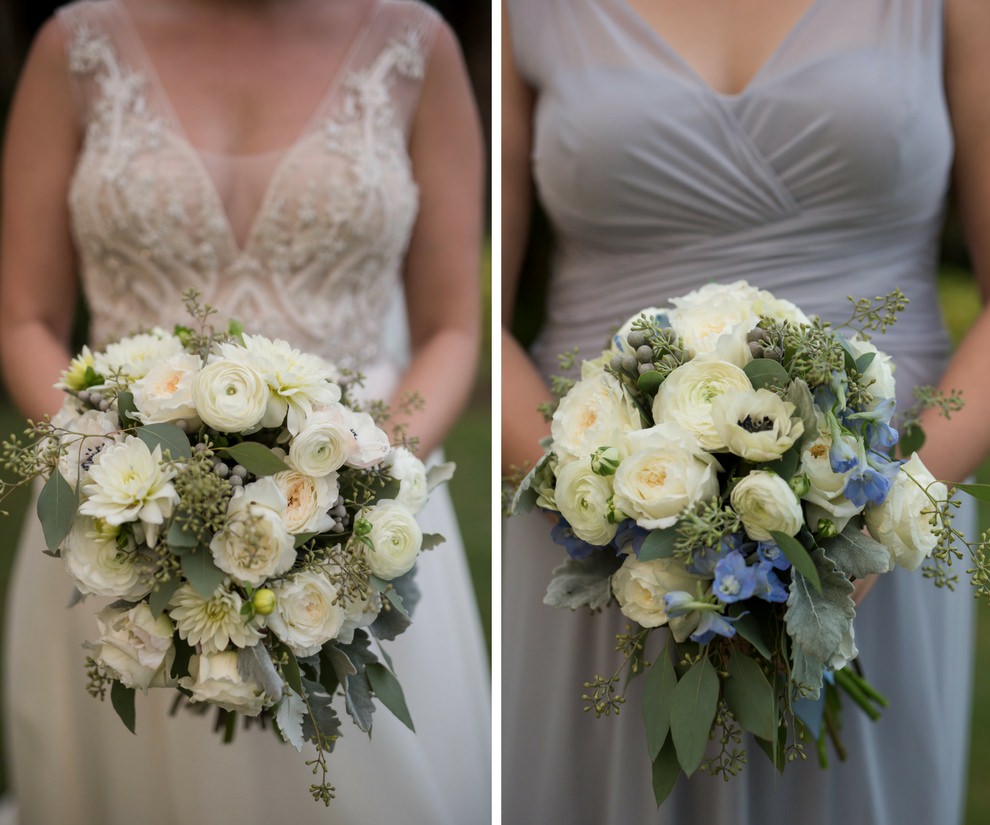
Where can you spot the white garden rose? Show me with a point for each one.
(371, 444)
(215, 678)
(903, 523)
(230, 397)
(619, 343)
(597, 412)
(757, 425)
(582, 497)
(131, 358)
(305, 616)
(666, 473)
(639, 587)
(298, 382)
(686, 398)
(307, 501)
(254, 544)
(82, 438)
(165, 393)
(410, 472)
(765, 502)
(324, 442)
(135, 646)
(396, 538)
(99, 566)
(212, 623)
(880, 374)
(129, 483)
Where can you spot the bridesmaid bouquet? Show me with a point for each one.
(254, 529)
(726, 471)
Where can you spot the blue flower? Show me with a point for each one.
(711, 625)
(768, 586)
(563, 535)
(630, 533)
(769, 552)
(679, 603)
(734, 579)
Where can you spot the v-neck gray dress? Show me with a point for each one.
(825, 177)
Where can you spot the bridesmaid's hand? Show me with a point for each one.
(863, 586)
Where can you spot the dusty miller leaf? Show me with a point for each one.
(431, 541)
(289, 718)
(439, 474)
(580, 582)
(321, 717)
(856, 554)
(255, 665)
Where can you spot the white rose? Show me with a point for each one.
(597, 412)
(880, 374)
(396, 538)
(639, 587)
(666, 473)
(582, 497)
(903, 523)
(130, 483)
(765, 502)
(254, 543)
(307, 500)
(135, 646)
(410, 472)
(230, 397)
(99, 566)
(757, 425)
(165, 393)
(214, 678)
(131, 358)
(686, 398)
(324, 442)
(305, 616)
(825, 497)
(619, 343)
(91, 432)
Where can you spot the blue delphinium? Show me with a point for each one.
(734, 579)
(630, 535)
(768, 586)
(563, 535)
(711, 623)
(768, 551)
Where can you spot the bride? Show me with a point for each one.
(300, 163)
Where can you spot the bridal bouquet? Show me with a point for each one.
(254, 532)
(726, 471)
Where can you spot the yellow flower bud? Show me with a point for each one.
(263, 601)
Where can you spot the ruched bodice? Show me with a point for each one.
(825, 177)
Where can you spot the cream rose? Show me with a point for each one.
(396, 539)
(214, 678)
(582, 497)
(410, 472)
(307, 500)
(597, 412)
(254, 543)
(686, 398)
(324, 442)
(903, 523)
(765, 502)
(639, 587)
(135, 646)
(666, 473)
(165, 393)
(99, 566)
(230, 397)
(305, 616)
(757, 425)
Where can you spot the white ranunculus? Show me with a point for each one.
(639, 587)
(597, 412)
(619, 343)
(131, 358)
(666, 473)
(396, 538)
(305, 616)
(165, 393)
(903, 523)
(212, 623)
(880, 374)
(307, 500)
(230, 396)
(765, 502)
(371, 444)
(582, 497)
(298, 382)
(91, 432)
(214, 678)
(686, 398)
(129, 483)
(757, 425)
(324, 442)
(100, 566)
(410, 472)
(135, 646)
(254, 544)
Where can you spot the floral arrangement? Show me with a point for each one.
(713, 473)
(253, 527)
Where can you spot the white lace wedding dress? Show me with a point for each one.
(305, 244)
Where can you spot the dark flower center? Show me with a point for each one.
(758, 425)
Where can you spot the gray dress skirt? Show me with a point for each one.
(825, 177)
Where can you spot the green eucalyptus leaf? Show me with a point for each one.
(692, 713)
(160, 598)
(748, 626)
(388, 689)
(798, 557)
(255, 458)
(122, 699)
(303, 538)
(864, 361)
(666, 771)
(57, 506)
(911, 440)
(658, 698)
(167, 436)
(981, 492)
(179, 539)
(201, 572)
(786, 465)
(750, 696)
(765, 373)
(126, 409)
(658, 545)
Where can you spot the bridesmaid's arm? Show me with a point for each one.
(442, 290)
(523, 388)
(954, 449)
(38, 286)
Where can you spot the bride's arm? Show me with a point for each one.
(954, 449)
(442, 266)
(37, 263)
(523, 388)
